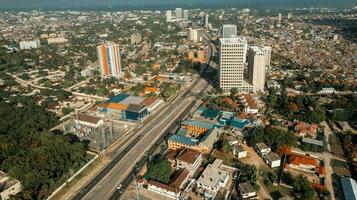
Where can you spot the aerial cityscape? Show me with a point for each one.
(201, 100)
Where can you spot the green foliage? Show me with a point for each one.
(39, 159)
(298, 107)
(269, 178)
(302, 189)
(186, 66)
(138, 88)
(273, 137)
(168, 89)
(160, 171)
(247, 173)
(67, 111)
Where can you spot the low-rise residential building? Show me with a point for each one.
(250, 105)
(303, 163)
(303, 129)
(247, 191)
(163, 189)
(272, 159)
(262, 148)
(212, 179)
(8, 186)
(239, 151)
(176, 142)
(34, 44)
(190, 160)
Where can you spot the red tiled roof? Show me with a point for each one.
(188, 156)
(161, 185)
(302, 160)
(177, 181)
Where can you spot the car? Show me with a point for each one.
(119, 186)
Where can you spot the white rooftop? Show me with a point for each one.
(213, 175)
(237, 40)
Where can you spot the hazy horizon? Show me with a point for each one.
(165, 4)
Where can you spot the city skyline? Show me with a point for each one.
(162, 5)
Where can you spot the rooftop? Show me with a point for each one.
(302, 160)
(197, 123)
(161, 185)
(313, 141)
(237, 40)
(213, 174)
(271, 156)
(246, 188)
(188, 156)
(132, 100)
(118, 98)
(181, 176)
(210, 138)
(261, 146)
(135, 107)
(88, 118)
(182, 140)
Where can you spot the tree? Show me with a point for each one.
(160, 171)
(302, 189)
(233, 92)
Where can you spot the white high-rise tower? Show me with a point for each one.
(233, 53)
(256, 68)
(168, 16)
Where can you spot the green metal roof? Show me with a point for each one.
(198, 123)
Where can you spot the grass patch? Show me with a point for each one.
(228, 158)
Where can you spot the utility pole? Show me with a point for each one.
(136, 188)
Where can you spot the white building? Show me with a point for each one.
(185, 15)
(178, 12)
(165, 190)
(190, 160)
(206, 20)
(239, 151)
(212, 179)
(267, 52)
(34, 44)
(279, 17)
(233, 52)
(193, 35)
(272, 159)
(256, 68)
(57, 40)
(247, 191)
(327, 91)
(229, 31)
(168, 15)
(9, 186)
(262, 149)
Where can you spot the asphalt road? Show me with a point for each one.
(104, 185)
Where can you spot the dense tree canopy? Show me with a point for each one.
(273, 137)
(39, 159)
(160, 171)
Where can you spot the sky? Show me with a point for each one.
(165, 4)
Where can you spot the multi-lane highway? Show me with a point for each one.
(128, 157)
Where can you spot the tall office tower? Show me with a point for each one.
(178, 13)
(267, 52)
(206, 20)
(229, 31)
(185, 14)
(290, 15)
(192, 35)
(231, 64)
(279, 17)
(109, 59)
(168, 16)
(256, 68)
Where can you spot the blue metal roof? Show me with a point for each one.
(118, 98)
(239, 123)
(198, 123)
(349, 187)
(182, 140)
